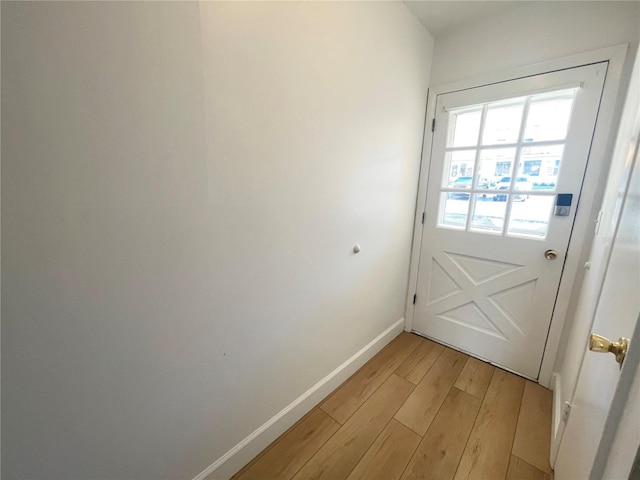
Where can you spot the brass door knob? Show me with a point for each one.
(550, 254)
(600, 344)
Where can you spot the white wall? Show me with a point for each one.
(182, 185)
(534, 33)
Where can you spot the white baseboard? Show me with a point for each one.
(557, 426)
(232, 461)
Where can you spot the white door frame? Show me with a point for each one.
(590, 198)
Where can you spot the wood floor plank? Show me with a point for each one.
(421, 407)
(292, 450)
(389, 454)
(350, 396)
(521, 470)
(488, 450)
(407, 365)
(347, 446)
(439, 452)
(475, 377)
(533, 433)
(420, 361)
(425, 364)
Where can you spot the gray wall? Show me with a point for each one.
(182, 185)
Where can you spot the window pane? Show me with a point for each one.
(465, 128)
(541, 166)
(488, 216)
(493, 166)
(548, 117)
(502, 124)
(530, 217)
(454, 211)
(458, 171)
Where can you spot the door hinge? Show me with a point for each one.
(566, 411)
(433, 125)
(597, 222)
(414, 298)
(423, 218)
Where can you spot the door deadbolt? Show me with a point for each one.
(600, 344)
(550, 254)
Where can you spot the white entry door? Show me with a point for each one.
(494, 240)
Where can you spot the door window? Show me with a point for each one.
(502, 161)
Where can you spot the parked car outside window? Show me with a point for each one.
(522, 183)
(462, 183)
(466, 183)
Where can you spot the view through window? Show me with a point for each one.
(502, 161)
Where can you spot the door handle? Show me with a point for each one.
(550, 254)
(600, 344)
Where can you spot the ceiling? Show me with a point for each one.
(440, 16)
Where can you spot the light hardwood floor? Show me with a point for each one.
(418, 410)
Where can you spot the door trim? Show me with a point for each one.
(590, 198)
